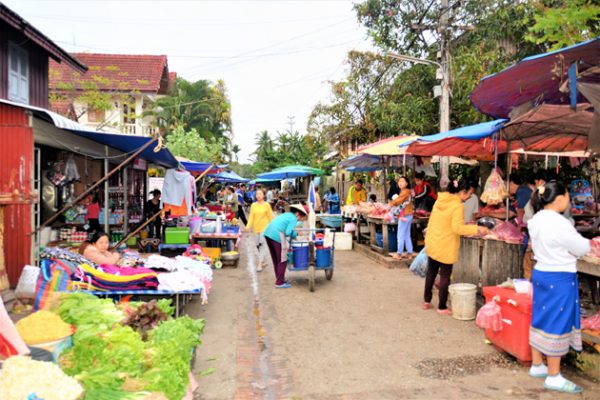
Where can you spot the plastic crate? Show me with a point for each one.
(212, 252)
(177, 235)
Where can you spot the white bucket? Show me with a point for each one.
(464, 301)
(343, 241)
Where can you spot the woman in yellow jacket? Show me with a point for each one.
(442, 240)
(261, 214)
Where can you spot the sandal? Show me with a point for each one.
(567, 387)
(397, 256)
(426, 306)
(445, 311)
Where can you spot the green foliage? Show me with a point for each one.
(193, 146)
(565, 22)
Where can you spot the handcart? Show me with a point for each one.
(311, 255)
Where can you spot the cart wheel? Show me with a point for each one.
(329, 273)
(311, 278)
(218, 264)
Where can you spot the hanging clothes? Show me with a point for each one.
(179, 188)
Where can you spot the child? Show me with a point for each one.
(555, 319)
(442, 240)
(276, 235)
(402, 210)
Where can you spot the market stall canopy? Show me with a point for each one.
(229, 177)
(367, 163)
(537, 79)
(199, 167)
(387, 147)
(258, 180)
(292, 171)
(551, 128)
(468, 141)
(124, 143)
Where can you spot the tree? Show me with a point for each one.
(199, 105)
(565, 23)
(264, 144)
(191, 145)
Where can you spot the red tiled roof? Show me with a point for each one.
(63, 107)
(114, 72)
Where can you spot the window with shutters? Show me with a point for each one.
(18, 74)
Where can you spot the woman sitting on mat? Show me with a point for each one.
(96, 250)
(555, 319)
(276, 235)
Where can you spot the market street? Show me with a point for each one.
(361, 336)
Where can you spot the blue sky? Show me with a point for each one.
(275, 56)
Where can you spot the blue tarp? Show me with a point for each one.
(129, 144)
(293, 171)
(470, 132)
(195, 166)
(229, 176)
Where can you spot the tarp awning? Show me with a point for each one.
(367, 162)
(387, 147)
(292, 171)
(124, 143)
(470, 132)
(200, 167)
(537, 79)
(229, 177)
(129, 144)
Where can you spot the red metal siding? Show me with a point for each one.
(16, 166)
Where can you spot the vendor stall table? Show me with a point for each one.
(230, 237)
(181, 298)
(589, 265)
(487, 262)
(375, 222)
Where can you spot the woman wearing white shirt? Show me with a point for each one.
(555, 322)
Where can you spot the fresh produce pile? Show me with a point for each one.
(43, 327)
(494, 191)
(21, 376)
(595, 247)
(128, 351)
(592, 323)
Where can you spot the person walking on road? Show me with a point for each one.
(241, 197)
(261, 214)
(442, 240)
(276, 235)
(555, 316)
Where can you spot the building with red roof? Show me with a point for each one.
(113, 93)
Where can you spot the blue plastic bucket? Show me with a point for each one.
(290, 258)
(379, 239)
(392, 239)
(323, 258)
(300, 255)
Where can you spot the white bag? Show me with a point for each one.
(27, 282)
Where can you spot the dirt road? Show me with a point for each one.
(360, 336)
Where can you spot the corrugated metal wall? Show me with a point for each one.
(16, 166)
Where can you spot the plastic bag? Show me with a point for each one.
(27, 282)
(420, 264)
(71, 171)
(350, 227)
(494, 191)
(508, 232)
(490, 316)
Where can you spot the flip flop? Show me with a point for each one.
(445, 311)
(426, 306)
(567, 387)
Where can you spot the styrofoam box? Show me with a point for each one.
(343, 241)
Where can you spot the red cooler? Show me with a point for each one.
(516, 319)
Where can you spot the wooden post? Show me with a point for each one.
(106, 196)
(95, 185)
(125, 200)
(508, 170)
(152, 218)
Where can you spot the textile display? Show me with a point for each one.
(54, 277)
(555, 320)
(179, 186)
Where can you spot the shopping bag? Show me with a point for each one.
(420, 264)
(27, 282)
(54, 277)
(490, 316)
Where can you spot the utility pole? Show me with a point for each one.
(444, 30)
(291, 123)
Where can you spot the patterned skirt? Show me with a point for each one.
(555, 322)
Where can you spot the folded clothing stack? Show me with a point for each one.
(113, 278)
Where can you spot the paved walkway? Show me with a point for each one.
(360, 336)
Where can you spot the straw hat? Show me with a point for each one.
(299, 207)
